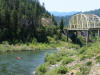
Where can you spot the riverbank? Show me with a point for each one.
(76, 61)
(6, 47)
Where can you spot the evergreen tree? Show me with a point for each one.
(61, 26)
(21, 20)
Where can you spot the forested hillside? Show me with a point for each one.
(20, 21)
(67, 17)
(96, 12)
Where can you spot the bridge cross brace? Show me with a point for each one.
(87, 34)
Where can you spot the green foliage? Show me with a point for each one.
(61, 26)
(34, 41)
(41, 70)
(55, 23)
(67, 60)
(52, 58)
(90, 51)
(65, 19)
(62, 69)
(82, 50)
(89, 63)
(78, 73)
(82, 57)
(66, 52)
(52, 72)
(98, 59)
(85, 70)
(81, 40)
(63, 38)
(21, 20)
(51, 40)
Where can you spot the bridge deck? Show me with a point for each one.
(81, 29)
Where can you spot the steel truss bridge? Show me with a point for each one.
(83, 22)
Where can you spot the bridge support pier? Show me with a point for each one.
(76, 36)
(98, 34)
(87, 37)
(67, 34)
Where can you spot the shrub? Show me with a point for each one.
(67, 52)
(52, 58)
(82, 57)
(5, 42)
(41, 69)
(63, 38)
(67, 60)
(98, 59)
(90, 55)
(85, 70)
(89, 63)
(62, 69)
(52, 61)
(82, 50)
(51, 40)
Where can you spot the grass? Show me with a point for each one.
(67, 60)
(67, 52)
(84, 70)
(41, 69)
(20, 47)
(52, 58)
(98, 59)
(78, 73)
(64, 56)
(52, 72)
(62, 69)
(90, 51)
(6, 47)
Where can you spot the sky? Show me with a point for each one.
(71, 5)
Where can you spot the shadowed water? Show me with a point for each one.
(9, 65)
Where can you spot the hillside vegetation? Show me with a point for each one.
(20, 21)
(96, 12)
(79, 61)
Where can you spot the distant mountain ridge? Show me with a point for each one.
(63, 13)
(67, 16)
(96, 12)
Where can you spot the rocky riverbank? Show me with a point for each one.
(72, 61)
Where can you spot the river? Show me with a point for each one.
(9, 65)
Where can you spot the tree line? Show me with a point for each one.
(20, 21)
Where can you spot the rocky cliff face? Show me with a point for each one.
(46, 21)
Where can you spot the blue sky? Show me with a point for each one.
(71, 5)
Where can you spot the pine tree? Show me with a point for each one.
(61, 26)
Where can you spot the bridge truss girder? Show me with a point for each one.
(84, 21)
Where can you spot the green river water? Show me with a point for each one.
(9, 65)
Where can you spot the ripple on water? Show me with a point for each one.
(25, 66)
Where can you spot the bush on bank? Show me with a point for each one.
(52, 58)
(62, 69)
(40, 70)
(67, 60)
